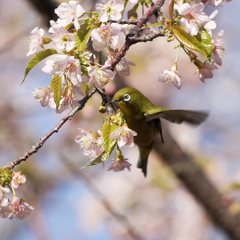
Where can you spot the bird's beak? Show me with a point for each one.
(114, 101)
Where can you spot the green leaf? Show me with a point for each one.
(205, 39)
(153, 25)
(192, 42)
(109, 143)
(132, 13)
(83, 34)
(94, 162)
(56, 85)
(36, 59)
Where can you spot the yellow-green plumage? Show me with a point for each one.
(142, 116)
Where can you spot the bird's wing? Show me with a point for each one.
(179, 116)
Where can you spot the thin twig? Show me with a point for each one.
(69, 116)
(130, 38)
(125, 21)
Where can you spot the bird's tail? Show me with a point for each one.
(143, 159)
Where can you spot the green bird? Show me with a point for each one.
(142, 116)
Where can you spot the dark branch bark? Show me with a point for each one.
(198, 184)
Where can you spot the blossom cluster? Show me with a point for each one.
(71, 64)
(195, 21)
(16, 207)
(74, 66)
(93, 143)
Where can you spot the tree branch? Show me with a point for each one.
(130, 38)
(69, 116)
(198, 184)
(45, 8)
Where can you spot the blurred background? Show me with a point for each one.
(92, 203)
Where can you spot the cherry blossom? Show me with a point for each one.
(123, 66)
(18, 208)
(3, 196)
(45, 96)
(120, 165)
(110, 10)
(210, 25)
(106, 35)
(170, 76)
(63, 65)
(124, 136)
(18, 179)
(35, 40)
(91, 142)
(66, 102)
(70, 98)
(192, 16)
(69, 12)
(62, 39)
(218, 50)
(206, 71)
(99, 77)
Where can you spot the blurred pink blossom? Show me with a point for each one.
(69, 12)
(106, 35)
(124, 136)
(118, 166)
(35, 40)
(110, 10)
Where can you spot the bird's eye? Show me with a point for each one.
(126, 97)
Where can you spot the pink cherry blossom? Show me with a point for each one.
(99, 77)
(210, 25)
(45, 96)
(206, 71)
(123, 66)
(91, 142)
(170, 76)
(124, 136)
(62, 39)
(106, 35)
(120, 165)
(18, 208)
(66, 102)
(192, 16)
(18, 179)
(218, 50)
(65, 66)
(69, 12)
(110, 10)
(3, 196)
(70, 98)
(35, 40)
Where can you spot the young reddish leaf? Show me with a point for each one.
(36, 59)
(170, 8)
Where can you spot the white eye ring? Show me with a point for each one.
(126, 97)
